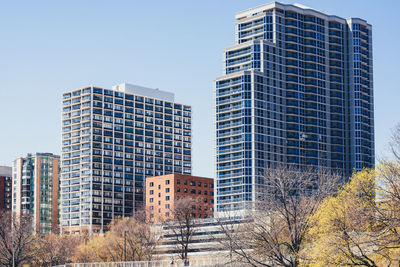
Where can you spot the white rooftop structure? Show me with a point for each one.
(295, 7)
(5, 171)
(144, 91)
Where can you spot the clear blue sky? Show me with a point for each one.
(48, 47)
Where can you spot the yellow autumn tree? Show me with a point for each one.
(387, 213)
(357, 227)
(129, 239)
(92, 250)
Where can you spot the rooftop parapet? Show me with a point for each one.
(144, 91)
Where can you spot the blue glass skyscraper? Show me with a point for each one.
(297, 89)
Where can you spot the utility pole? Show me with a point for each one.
(13, 259)
(125, 246)
(12, 241)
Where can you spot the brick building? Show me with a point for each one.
(5, 188)
(164, 192)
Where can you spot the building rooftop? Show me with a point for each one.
(294, 7)
(5, 171)
(42, 154)
(144, 91)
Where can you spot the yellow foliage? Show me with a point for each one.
(92, 250)
(340, 222)
(359, 225)
(128, 238)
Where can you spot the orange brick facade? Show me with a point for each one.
(163, 192)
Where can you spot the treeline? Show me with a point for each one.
(300, 220)
(355, 225)
(127, 239)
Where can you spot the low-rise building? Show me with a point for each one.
(164, 192)
(208, 244)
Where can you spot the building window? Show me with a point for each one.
(151, 192)
(151, 200)
(178, 181)
(193, 191)
(151, 184)
(205, 184)
(167, 206)
(199, 184)
(178, 190)
(199, 192)
(192, 183)
(166, 190)
(211, 185)
(151, 207)
(159, 186)
(166, 181)
(185, 190)
(167, 214)
(167, 198)
(185, 182)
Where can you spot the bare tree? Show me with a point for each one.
(394, 142)
(184, 224)
(16, 239)
(232, 238)
(275, 234)
(53, 249)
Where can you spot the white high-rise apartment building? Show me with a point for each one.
(112, 139)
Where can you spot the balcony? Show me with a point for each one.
(230, 166)
(230, 150)
(230, 192)
(229, 83)
(221, 201)
(232, 54)
(251, 24)
(231, 175)
(231, 62)
(230, 158)
(230, 91)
